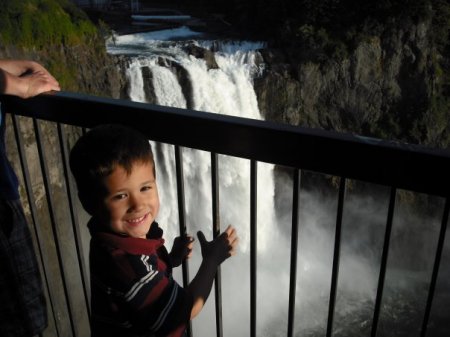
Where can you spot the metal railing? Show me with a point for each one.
(349, 157)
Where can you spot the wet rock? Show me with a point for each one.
(203, 53)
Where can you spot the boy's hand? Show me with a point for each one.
(181, 249)
(220, 248)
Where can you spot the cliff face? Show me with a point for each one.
(383, 88)
(96, 72)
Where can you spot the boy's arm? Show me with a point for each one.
(214, 253)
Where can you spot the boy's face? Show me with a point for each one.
(131, 202)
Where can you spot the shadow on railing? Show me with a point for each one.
(347, 157)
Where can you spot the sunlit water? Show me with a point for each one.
(229, 90)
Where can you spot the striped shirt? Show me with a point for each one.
(132, 289)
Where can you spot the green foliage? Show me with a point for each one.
(57, 34)
(39, 24)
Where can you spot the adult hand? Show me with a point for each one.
(38, 82)
(25, 78)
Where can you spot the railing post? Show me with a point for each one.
(437, 263)
(294, 252)
(336, 257)
(216, 233)
(182, 215)
(253, 245)
(384, 257)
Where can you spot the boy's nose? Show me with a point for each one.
(136, 203)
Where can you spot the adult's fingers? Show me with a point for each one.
(231, 233)
(39, 83)
(233, 246)
(232, 238)
(188, 238)
(50, 81)
(189, 242)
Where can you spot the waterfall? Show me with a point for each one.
(229, 90)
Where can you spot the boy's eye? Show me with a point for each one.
(119, 196)
(146, 188)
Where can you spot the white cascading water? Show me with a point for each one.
(229, 90)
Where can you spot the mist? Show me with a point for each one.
(411, 256)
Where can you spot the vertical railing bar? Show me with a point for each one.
(336, 257)
(216, 233)
(45, 175)
(253, 245)
(33, 211)
(73, 215)
(182, 215)
(181, 204)
(437, 263)
(294, 252)
(384, 258)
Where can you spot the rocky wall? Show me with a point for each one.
(382, 88)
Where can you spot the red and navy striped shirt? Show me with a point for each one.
(132, 289)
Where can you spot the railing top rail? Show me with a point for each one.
(405, 166)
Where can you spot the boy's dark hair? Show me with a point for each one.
(98, 152)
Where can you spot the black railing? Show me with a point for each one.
(348, 157)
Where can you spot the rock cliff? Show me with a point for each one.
(384, 87)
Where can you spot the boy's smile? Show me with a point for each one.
(131, 202)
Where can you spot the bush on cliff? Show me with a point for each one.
(43, 23)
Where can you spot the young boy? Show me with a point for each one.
(132, 289)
